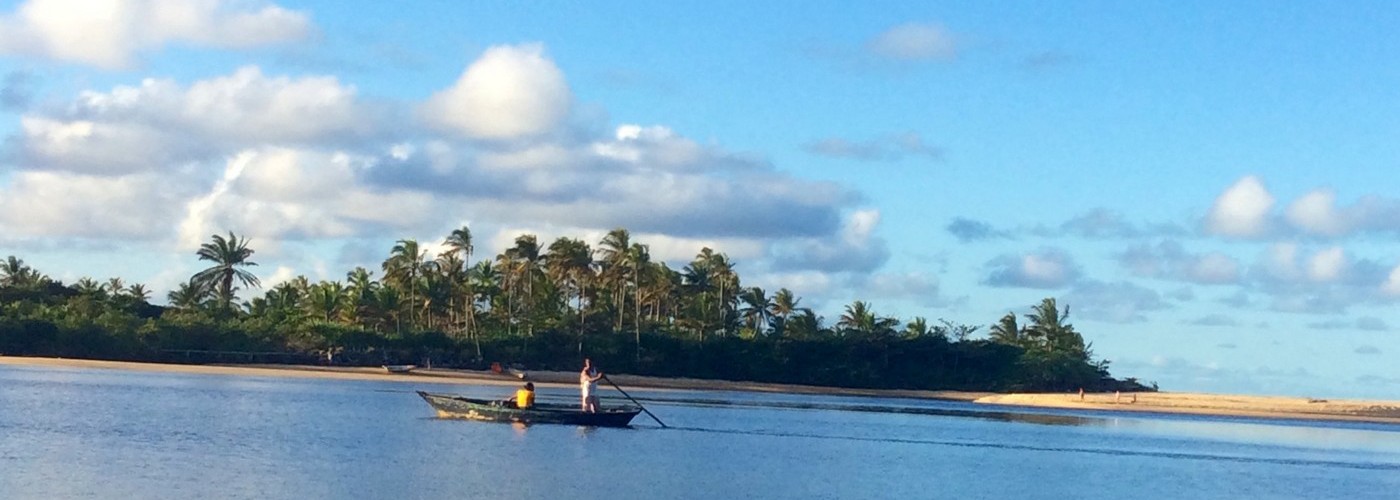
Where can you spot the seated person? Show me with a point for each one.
(525, 397)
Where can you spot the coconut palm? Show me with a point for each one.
(139, 292)
(1006, 331)
(403, 267)
(756, 308)
(189, 295)
(613, 253)
(230, 258)
(460, 242)
(569, 262)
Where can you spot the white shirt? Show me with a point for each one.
(586, 382)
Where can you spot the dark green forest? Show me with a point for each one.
(540, 308)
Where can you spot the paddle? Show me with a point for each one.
(639, 405)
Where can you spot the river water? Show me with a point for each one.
(87, 433)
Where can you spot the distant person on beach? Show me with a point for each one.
(588, 385)
(1081, 393)
(525, 397)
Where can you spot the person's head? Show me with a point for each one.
(587, 363)
(530, 386)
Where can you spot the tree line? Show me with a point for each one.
(543, 307)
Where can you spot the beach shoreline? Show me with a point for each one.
(1268, 407)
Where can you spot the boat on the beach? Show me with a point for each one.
(399, 368)
(449, 406)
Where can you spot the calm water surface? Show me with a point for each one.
(82, 433)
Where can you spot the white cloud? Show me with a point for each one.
(160, 123)
(1391, 286)
(914, 42)
(109, 33)
(276, 193)
(510, 92)
(1047, 268)
(1316, 213)
(1168, 260)
(59, 204)
(1327, 265)
(1242, 210)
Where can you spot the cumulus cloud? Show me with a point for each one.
(913, 42)
(857, 249)
(1242, 210)
(891, 148)
(969, 230)
(109, 34)
(1120, 302)
(162, 123)
(510, 92)
(1169, 260)
(62, 204)
(301, 160)
(1046, 268)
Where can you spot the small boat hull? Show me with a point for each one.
(399, 368)
(493, 411)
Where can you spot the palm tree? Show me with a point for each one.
(14, 273)
(189, 295)
(917, 327)
(361, 288)
(1006, 331)
(757, 308)
(639, 256)
(326, 301)
(230, 257)
(570, 262)
(139, 292)
(723, 275)
(613, 253)
(1050, 329)
(90, 287)
(404, 265)
(460, 241)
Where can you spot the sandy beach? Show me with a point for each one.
(1212, 404)
(1160, 402)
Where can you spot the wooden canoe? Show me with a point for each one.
(449, 406)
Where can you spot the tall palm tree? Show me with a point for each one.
(757, 308)
(523, 266)
(360, 288)
(570, 262)
(460, 242)
(723, 275)
(613, 253)
(404, 266)
(639, 257)
(14, 273)
(230, 257)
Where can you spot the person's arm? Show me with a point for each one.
(597, 377)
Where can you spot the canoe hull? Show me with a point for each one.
(490, 411)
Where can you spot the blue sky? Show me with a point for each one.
(1209, 187)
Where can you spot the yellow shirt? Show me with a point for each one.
(524, 398)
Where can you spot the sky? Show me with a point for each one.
(1209, 187)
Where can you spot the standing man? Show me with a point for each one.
(588, 385)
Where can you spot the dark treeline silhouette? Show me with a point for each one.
(542, 308)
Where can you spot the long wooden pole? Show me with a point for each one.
(639, 404)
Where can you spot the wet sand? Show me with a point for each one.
(1160, 402)
(1212, 404)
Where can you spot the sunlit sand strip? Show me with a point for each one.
(554, 379)
(1213, 404)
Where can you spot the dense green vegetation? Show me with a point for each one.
(541, 307)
